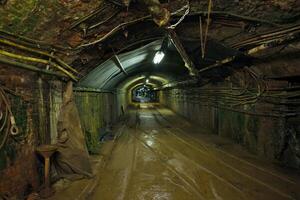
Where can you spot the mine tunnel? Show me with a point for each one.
(150, 100)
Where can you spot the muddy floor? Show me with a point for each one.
(159, 155)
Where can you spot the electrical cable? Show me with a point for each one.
(187, 11)
(13, 127)
(5, 123)
(4, 139)
(207, 26)
(232, 98)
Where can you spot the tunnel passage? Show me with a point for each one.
(144, 94)
(172, 99)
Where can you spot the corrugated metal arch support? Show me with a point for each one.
(103, 76)
(108, 75)
(154, 84)
(158, 79)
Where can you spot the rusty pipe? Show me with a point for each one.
(161, 15)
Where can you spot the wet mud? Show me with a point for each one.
(162, 156)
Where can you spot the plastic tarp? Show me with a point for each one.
(72, 159)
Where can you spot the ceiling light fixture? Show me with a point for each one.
(158, 57)
(147, 80)
(160, 54)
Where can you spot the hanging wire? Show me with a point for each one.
(201, 36)
(204, 40)
(187, 11)
(7, 119)
(5, 123)
(207, 26)
(13, 127)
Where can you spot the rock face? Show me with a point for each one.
(285, 4)
(42, 20)
(49, 20)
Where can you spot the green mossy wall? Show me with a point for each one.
(97, 111)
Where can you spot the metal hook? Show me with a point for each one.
(14, 130)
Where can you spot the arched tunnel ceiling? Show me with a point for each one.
(33, 17)
(155, 80)
(84, 35)
(136, 63)
(141, 85)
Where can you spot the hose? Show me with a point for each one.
(4, 139)
(5, 118)
(5, 122)
(9, 119)
(37, 60)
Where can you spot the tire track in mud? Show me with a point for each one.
(162, 159)
(171, 168)
(130, 169)
(198, 166)
(133, 128)
(202, 168)
(205, 150)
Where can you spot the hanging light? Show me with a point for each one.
(147, 80)
(158, 57)
(160, 54)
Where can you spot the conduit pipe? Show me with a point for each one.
(37, 60)
(37, 51)
(30, 67)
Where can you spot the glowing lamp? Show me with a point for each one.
(158, 57)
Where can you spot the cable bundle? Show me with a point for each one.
(7, 119)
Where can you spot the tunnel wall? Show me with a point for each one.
(20, 168)
(263, 119)
(36, 101)
(123, 100)
(97, 111)
(267, 137)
